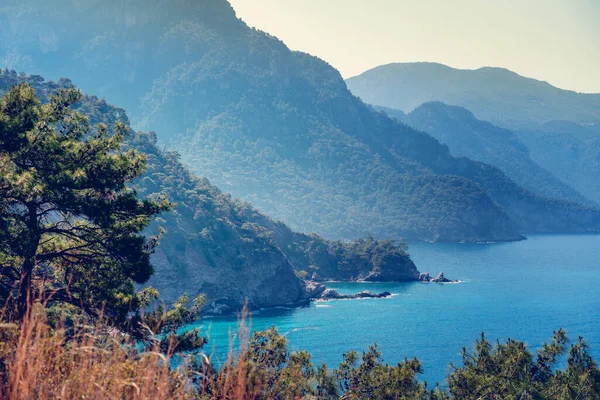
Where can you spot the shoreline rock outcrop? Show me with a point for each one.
(332, 294)
(440, 278)
(314, 290)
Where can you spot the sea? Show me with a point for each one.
(521, 290)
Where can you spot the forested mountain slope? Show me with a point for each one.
(561, 128)
(492, 94)
(224, 248)
(275, 127)
(570, 151)
(466, 136)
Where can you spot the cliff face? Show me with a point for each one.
(319, 259)
(264, 281)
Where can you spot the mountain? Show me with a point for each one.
(492, 94)
(277, 128)
(466, 136)
(225, 248)
(570, 151)
(559, 127)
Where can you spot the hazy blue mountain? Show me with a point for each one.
(492, 94)
(570, 151)
(559, 127)
(466, 136)
(393, 113)
(225, 248)
(275, 127)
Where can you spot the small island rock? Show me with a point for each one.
(331, 294)
(425, 277)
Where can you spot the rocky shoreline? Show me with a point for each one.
(317, 291)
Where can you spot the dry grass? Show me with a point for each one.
(84, 362)
(234, 380)
(92, 362)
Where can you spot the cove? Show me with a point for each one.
(522, 290)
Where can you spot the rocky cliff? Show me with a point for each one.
(319, 259)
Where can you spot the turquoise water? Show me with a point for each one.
(523, 290)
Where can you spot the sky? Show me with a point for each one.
(552, 40)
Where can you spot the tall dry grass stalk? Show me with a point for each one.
(82, 362)
(93, 362)
(234, 380)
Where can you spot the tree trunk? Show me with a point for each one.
(25, 289)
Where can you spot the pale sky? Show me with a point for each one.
(553, 40)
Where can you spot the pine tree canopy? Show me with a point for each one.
(70, 227)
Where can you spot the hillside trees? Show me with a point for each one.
(510, 371)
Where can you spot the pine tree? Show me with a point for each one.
(70, 227)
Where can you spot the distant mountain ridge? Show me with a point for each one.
(561, 128)
(571, 151)
(278, 128)
(492, 94)
(466, 136)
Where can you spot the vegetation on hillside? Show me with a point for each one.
(275, 127)
(570, 151)
(559, 127)
(294, 141)
(320, 259)
(482, 141)
(531, 212)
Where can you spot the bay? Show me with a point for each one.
(522, 290)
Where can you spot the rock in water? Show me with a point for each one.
(441, 279)
(331, 294)
(425, 277)
(315, 290)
